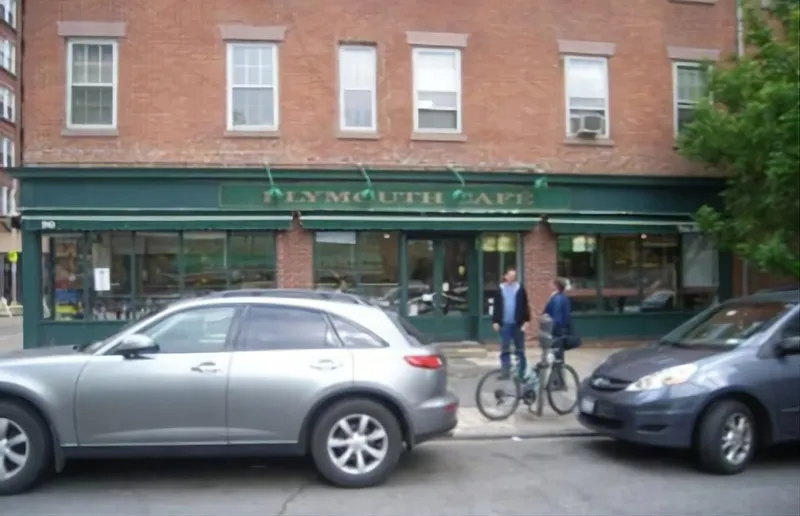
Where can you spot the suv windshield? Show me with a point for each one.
(728, 325)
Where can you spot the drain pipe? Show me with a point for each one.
(739, 28)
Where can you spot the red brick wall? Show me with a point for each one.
(172, 91)
(540, 267)
(295, 260)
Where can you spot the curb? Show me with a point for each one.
(564, 434)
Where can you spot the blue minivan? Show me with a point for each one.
(724, 383)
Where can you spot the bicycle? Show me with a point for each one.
(549, 372)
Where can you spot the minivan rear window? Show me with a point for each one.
(411, 332)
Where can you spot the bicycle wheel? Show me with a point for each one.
(504, 398)
(563, 381)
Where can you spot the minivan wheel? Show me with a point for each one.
(25, 449)
(727, 439)
(356, 443)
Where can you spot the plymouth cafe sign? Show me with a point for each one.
(397, 197)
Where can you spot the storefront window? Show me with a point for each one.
(123, 275)
(621, 278)
(363, 262)
(205, 262)
(109, 261)
(659, 270)
(500, 251)
(700, 276)
(420, 277)
(251, 260)
(577, 263)
(157, 272)
(67, 277)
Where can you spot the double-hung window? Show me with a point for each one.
(357, 88)
(92, 84)
(7, 158)
(7, 104)
(8, 12)
(689, 86)
(437, 90)
(8, 56)
(586, 84)
(252, 87)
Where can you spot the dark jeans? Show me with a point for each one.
(512, 334)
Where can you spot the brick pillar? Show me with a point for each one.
(295, 257)
(540, 268)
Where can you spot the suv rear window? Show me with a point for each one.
(410, 331)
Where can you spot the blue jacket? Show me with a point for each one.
(559, 308)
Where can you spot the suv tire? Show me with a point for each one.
(37, 448)
(353, 428)
(719, 422)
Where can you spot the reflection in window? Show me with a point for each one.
(335, 260)
(420, 278)
(363, 262)
(577, 263)
(198, 330)
(157, 272)
(660, 256)
(111, 252)
(205, 262)
(499, 253)
(251, 260)
(699, 269)
(67, 277)
(621, 280)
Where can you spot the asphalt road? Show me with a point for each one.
(552, 477)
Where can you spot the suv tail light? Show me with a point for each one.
(425, 361)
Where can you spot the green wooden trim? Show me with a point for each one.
(434, 174)
(619, 225)
(368, 222)
(154, 223)
(402, 264)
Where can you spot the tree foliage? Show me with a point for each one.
(749, 127)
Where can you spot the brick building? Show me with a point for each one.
(10, 25)
(407, 150)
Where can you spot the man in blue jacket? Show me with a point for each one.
(510, 317)
(559, 308)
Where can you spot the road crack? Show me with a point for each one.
(291, 498)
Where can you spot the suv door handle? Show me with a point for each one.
(206, 368)
(326, 365)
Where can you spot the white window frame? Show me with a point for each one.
(416, 51)
(675, 66)
(9, 62)
(8, 153)
(10, 14)
(276, 86)
(568, 59)
(374, 90)
(114, 81)
(9, 104)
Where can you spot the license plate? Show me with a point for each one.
(587, 405)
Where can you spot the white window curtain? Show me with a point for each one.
(357, 69)
(438, 84)
(587, 83)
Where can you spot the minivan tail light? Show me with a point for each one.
(425, 361)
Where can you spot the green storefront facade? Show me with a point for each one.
(103, 246)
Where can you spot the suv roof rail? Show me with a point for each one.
(293, 293)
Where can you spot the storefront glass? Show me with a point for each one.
(638, 273)
(124, 275)
(364, 262)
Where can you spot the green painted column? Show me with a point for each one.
(31, 287)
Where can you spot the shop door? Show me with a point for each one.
(441, 287)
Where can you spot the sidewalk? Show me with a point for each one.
(472, 425)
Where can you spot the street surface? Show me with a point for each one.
(573, 476)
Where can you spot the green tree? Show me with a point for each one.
(749, 127)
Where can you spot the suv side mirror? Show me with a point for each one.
(789, 346)
(133, 346)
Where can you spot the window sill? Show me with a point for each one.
(599, 142)
(357, 135)
(438, 137)
(90, 133)
(253, 134)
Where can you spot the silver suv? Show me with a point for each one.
(245, 374)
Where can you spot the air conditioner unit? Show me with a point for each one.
(590, 126)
